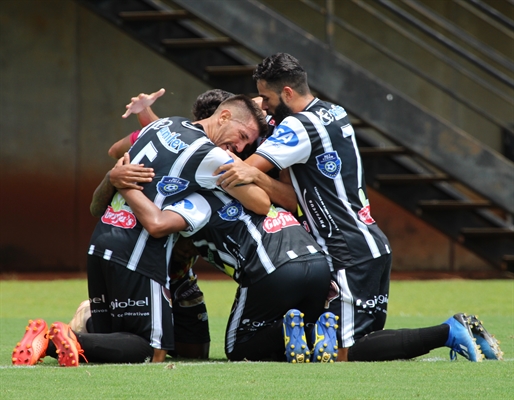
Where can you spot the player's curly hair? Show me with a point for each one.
(206, 103)
(282, 69)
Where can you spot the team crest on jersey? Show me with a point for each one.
(118, 214)
(325, 116)
(284, 135)
(170, 185)
(170, 140)
(231, 211)
(329, 164)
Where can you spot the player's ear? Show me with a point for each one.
(225, 116)
(287, 93)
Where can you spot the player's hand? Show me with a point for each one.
(126, 176)
(142, 101)
(235, 173)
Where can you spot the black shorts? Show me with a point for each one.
(301, 284)
(361, 301)
(125, 301)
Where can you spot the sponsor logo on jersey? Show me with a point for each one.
(231, 211)
(329, 164)
(325, 117)
(377, 303)
(129, 303)
(184, 204)
(170, 185)
(337, 111)
(365, 212)
(284, 135)
(365, 215)
(278, 219)
(170, 140)
(306, 226)
(119, 215)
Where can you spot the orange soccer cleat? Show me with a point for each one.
(32, 347)
(66, 344)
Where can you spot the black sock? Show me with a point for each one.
(401, 344)
(118, 347)
(266, 344)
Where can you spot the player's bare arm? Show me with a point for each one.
(127, 176)
(140, 106)
(123, 174)
(251, 197)
(249, 171)
(119, 148)
(158, 223)
(102, 197)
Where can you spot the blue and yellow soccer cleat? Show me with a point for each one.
(295, 341)
(461, 340)
(489, 345)
(324, 338)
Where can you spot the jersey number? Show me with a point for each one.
(149, 151)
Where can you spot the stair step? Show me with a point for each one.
(198, 42)
(228, 70)
(484, 232)
(453, 204)
(381, 151)
(410, 178)
(155, 15)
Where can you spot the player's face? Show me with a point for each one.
(273, 103)
(235, 135)
(270, 98)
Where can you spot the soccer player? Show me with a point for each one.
(127, 268)
(316, 141)
(203, 107)
(277, 264)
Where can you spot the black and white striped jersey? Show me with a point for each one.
(240, 243)
(184, 160)
(320, 147)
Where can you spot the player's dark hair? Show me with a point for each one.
(206, 103)
(282, 69)
(247, 105)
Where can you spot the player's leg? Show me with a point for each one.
(455, 333)
(139, 305)
(98, 294)
(191, 324)
(255, 327)
(362, 302)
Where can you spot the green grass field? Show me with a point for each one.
(412, 304)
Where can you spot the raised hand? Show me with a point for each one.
(141, 102)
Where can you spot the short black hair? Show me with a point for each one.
(282, 69)
(250, 108)
(206, 103)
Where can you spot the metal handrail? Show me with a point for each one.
(479, 110)
(447, 42)
(462, 35)
(492, 12)
(447, 60)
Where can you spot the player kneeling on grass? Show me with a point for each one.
(277, 264)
